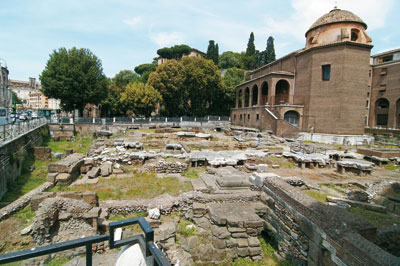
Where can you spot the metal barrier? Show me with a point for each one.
(146, 243)
(11, 131)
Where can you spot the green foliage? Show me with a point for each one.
(58, 261)
(192, 86)
(24, 216)
(191, 173)
(183, 230)
(231, 79)
(120, 217)
(140, 185)
(376, 218)
(391, 166)
(320, 196)
(229, 60)
(124, 77)
(28, 180)
(74, 76)
(270, 51)
(80, 145)
(168, 79)
(212, 52)
(144, 70)
(175, 52)
(251, 48)
(140, 98)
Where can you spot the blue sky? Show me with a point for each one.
(126, 33)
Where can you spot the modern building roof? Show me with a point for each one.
(335, 16)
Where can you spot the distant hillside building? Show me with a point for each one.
(29, 92)
(319, 89)
(194, 52)
(4, 94)
(384, 92)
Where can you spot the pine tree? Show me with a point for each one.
(251, 48)
(270, 51)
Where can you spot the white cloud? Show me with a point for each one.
(133, 22)
(167, 39)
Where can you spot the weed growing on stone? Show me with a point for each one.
(320, 196)
(58, 261)
(191, 173)
(391, 166)
(185, 230)
(80, 145)
(376, 218)
(120, 217)
(24, 216)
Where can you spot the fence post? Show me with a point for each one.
(181, 118)
(166, 119)
(195, 119)
(219, 118)
(71, 121)
(113, 119)
(4, 132)
(150, 119)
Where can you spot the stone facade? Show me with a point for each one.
(318, 89)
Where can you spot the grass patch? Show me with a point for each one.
(191, 173)
(391, 166)
(58, 261)
(24, 216)
(140, 185)
(120, 217)
(376, 218)
(318, 195)
(333, 187)
(183, 230)
(147, 130)
(80, 145)
(282, 162)
(28, 180)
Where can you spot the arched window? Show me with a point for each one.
(382, 112)
(264, 93)
(240, 99)
(255, 95)
(246, 97)
(355, 35)
(292, 117)
(282, 92)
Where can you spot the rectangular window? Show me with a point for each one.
(326, 72)
(234, 117)
(384, 71)
(367, 104)
(248, 117)
(258, 116)
(240, 116)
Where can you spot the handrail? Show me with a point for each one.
(12, 131)
(146, 242)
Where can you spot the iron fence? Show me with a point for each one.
(139, 120)
(14, 130)
(145, 241)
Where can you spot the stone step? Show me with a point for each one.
(199, 185)
(209, 181)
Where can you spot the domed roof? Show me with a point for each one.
(337, 15)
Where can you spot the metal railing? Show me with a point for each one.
(146, 242)
(138, 120)
(13, 130)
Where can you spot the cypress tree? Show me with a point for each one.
(216, 55)
(270, 51)
(251, 48)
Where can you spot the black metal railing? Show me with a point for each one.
(146, 242)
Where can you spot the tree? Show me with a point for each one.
(229, 59)
(74, 76)
(205, 86)
(140, 98)
(175, 52)
(212, 52)
(168, 79)
(216, 54)
(270, 51)
(144, 70)
(231, 79)
(251, 48)
(124, 77)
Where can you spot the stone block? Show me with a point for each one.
(94, 172)
(239, 235)
(38, 198)
(90, 198)
(236, 229)
(64, 178)
(64, 216)
(167, 230)
(231, 242)
(192, 242)
(69, 164)
(219, 231)
(242, 242)
(254, 242)
(218, 243)
(206, 251)
(231, 254)
(199, 208)
(253, 224)
(93, 213)
(243, 252)
(254, 251)
(51, 177)
(106, 169)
